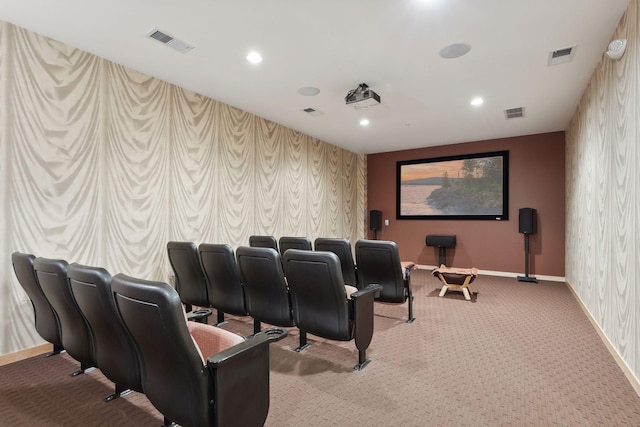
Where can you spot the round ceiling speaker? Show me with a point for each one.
(309, 91)
(455, 50)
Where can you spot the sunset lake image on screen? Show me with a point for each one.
(471, 186)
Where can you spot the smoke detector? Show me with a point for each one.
(617, 48)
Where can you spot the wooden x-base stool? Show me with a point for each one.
(457, 279)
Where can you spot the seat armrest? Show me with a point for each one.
(372, 287)
(268, 336)
(363, 317)
(406, 270)
(240, 374)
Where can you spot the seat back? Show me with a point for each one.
(342, 248)
(302, 243)
(173, 375)
(190, 282)
(318, 296)
(223, 278)
(75, 334)
(263, 242)
(265, 287)
(46, 320)
(379, 262)
(115, 353)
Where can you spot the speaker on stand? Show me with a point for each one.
(527, 226)
(375, 222)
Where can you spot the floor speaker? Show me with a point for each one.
(375, 220)
(527, 221)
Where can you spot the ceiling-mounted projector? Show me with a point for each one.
(362, 97)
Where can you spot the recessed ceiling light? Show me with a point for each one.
(477, 101)
(254, 57)
(455, 50)
(309, 91)
(364, 122)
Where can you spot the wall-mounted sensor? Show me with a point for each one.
(617, 48)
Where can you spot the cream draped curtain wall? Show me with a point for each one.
(103, 165)
(603, 206)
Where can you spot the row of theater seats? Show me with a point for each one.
(341, 247)
(136, 333)
(296, 286)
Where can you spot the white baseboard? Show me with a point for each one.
(635, 383)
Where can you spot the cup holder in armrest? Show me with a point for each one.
(275, 334)
(201, 315)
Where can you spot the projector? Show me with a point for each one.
(362, 97)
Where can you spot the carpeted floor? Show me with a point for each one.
(517, 354)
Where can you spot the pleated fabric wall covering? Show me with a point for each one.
(103, 165)
(603, 206)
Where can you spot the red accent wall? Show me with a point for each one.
(536, 180)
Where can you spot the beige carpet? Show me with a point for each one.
(517, 354)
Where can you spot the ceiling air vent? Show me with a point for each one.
(313, 111)
(560, 56)
(514, 113)
(170, 41)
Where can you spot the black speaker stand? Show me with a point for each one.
(526, 277)
(442, 255)
(375, 234)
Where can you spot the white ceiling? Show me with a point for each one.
(334, 45)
